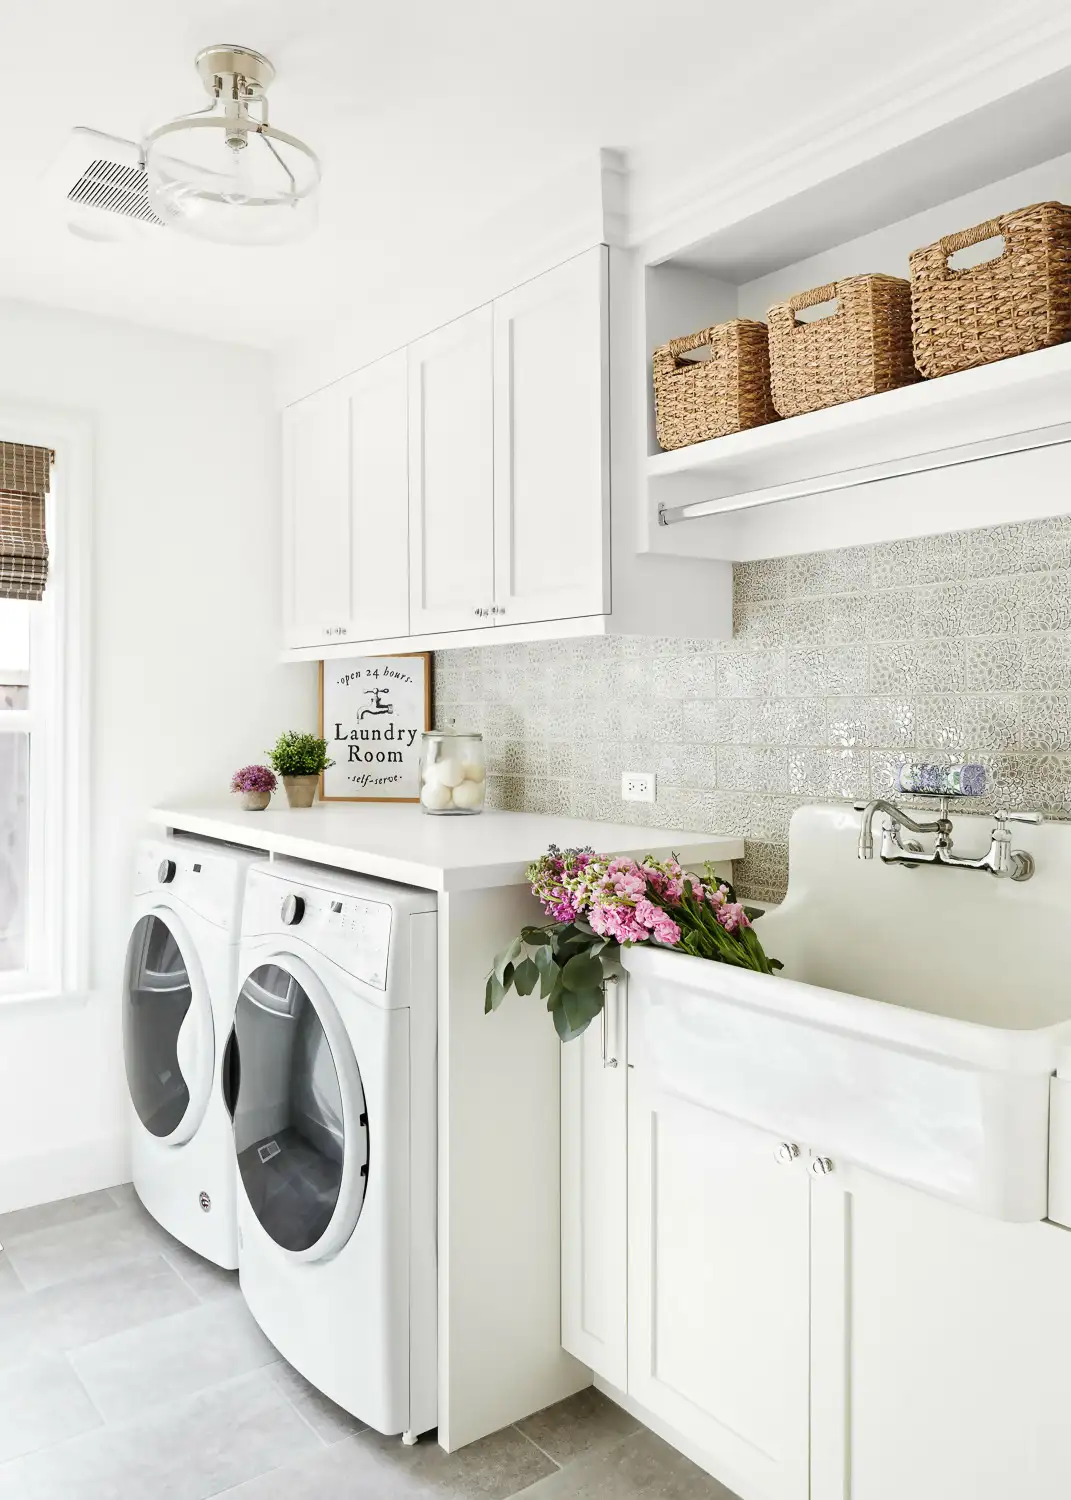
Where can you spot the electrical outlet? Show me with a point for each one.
(638, 786)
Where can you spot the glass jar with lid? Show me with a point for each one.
(452, 772)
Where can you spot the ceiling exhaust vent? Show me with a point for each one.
(97, 186)
(116, 189)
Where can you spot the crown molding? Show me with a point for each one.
(668, 195)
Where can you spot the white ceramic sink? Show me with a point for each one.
(915, 1027)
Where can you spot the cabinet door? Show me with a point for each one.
(346, 509)
(594, 1146)
(552, 477)
(451, 476)
(376, 401)
(948, 1372)
(719, 1290)
(316, 520)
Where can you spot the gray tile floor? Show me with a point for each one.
(131, 1370)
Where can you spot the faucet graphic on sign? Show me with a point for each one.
(380, 705)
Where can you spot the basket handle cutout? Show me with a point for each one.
(698, 345)
(816, 297)
(953, 244)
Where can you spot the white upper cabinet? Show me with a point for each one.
(463, 485)
(552, 472)
(316, 524)
(377, 401)
(345, 510)
(451, 477)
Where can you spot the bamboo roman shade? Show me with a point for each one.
(24, 481)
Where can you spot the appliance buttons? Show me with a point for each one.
(293, 909)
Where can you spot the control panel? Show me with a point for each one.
(352, 931)
(191, 874)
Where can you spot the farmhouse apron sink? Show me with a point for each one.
(916, 1026)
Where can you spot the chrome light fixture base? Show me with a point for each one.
(224, 68)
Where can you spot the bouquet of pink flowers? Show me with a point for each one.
(598, 905)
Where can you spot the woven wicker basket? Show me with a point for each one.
(700, 399)
(862, 348)
(1019, 301)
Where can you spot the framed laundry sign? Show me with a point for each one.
(373, 710)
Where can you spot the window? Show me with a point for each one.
(15, 721)
(43, 881)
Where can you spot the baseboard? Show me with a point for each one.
(83, 1168)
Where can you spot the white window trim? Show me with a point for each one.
(59, 882)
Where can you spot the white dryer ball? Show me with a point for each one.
(473, 770)
(446, 772)
(468, 794)
(435, 796)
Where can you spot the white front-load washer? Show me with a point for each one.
(335, 1135)
(178, 1007)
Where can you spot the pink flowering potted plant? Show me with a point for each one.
(255, 784)
(599, 905)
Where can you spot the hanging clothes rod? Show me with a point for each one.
(919, 463)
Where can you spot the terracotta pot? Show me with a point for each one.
(301, 790)
(255, 801)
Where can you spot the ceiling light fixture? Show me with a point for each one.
(223, 173)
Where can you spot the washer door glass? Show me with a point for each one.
(167, 1030)
(296, 1142)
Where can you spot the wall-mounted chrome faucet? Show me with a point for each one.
(1000, 859)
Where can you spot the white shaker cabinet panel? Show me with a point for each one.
(719, 1290)
(594, 1147)
(451, 476)
(552, 470)
(958, 1331)
(316, 520)
(346, 509)
(377, 409)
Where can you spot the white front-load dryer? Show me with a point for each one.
(335, 1135)
(178, 1007)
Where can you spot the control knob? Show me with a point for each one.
(293, 909)
(166, 871)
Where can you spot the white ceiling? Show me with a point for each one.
(428, 116)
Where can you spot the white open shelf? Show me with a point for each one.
(813, 481)
(907, 462)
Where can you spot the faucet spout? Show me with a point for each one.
(900, 819)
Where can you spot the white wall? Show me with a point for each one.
(184, 683)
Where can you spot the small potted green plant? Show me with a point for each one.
(299, 760)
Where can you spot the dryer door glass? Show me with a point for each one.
(156, 1001)
(292, 1134)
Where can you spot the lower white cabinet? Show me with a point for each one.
(718, 1290)
(594, 1167)
(804, 1329)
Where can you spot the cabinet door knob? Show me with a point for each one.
(822, 1166)
(787, 1152)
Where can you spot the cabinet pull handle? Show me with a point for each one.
(609, 988)
(822, 1166)
(787, 1152)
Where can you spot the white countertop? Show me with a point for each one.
(402, 843)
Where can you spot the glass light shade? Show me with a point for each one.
(249, 186)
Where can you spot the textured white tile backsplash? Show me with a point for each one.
(842, 665)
